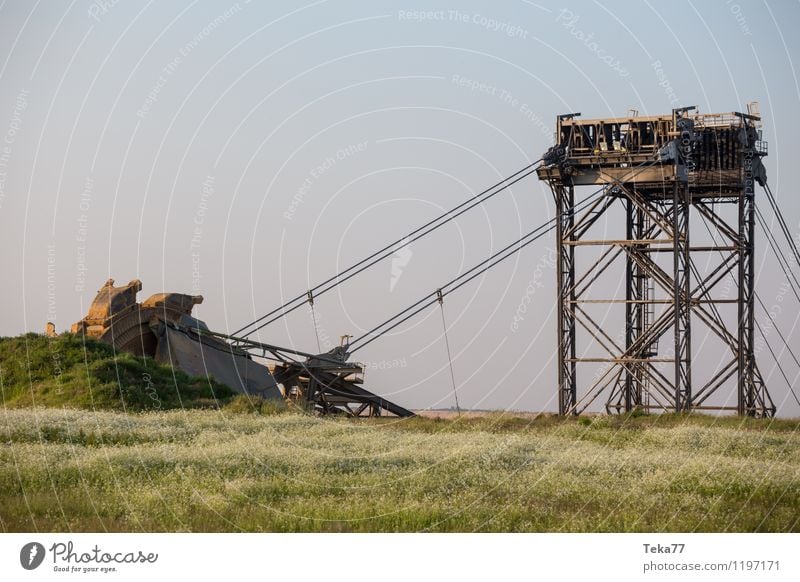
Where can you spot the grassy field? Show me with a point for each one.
(229, 470)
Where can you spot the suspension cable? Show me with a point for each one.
(779, 255)
(782, 222)
(775, 325)
(777, 363)
(389, 249)
(440, 298)
(314, 320)
(462, 279)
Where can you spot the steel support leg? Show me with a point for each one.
(682, 296)
(746, 357)
(565, 275)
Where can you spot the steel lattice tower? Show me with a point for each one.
(663, 170)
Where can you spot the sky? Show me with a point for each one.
(247, 151)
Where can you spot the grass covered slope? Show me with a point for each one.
(203, 470)
(69, 371)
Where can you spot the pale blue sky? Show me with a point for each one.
(190, 139)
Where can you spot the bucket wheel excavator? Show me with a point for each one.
(162, 327)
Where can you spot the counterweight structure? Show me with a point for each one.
(658, 171)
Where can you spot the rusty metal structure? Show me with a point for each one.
(662, 173)
(162, 328)
(325, 384)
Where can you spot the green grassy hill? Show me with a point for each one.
(67, 370)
